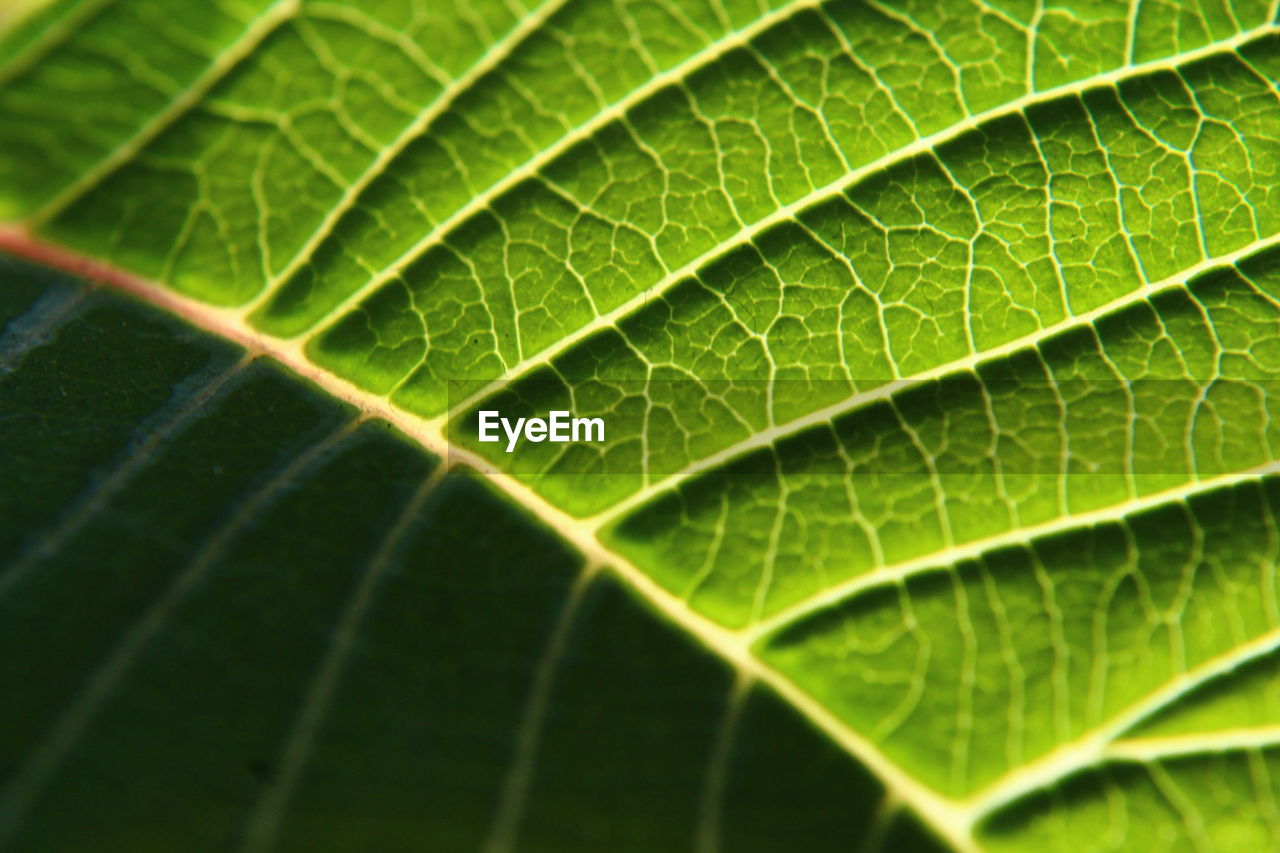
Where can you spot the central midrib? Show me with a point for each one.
(954, 819)
(943, 814)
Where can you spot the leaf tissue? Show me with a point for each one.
(933, 346)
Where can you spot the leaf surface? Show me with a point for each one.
(936, 340)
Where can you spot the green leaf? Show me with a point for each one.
(251, 618)
(937, 344)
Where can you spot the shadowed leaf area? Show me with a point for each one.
(425, 668)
